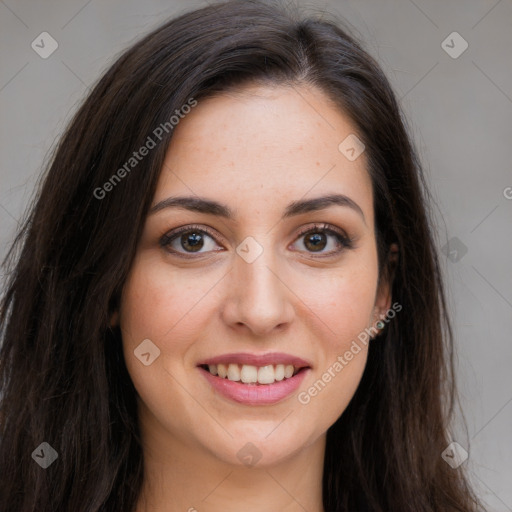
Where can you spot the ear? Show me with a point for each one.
(114, 319)
(383, 299)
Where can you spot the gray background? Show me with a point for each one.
(459, 111)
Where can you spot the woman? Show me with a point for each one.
(227, 294)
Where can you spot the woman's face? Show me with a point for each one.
(229, 289)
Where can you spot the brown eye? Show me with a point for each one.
(318, 238)
(192, 240)
(315, 241)
(188, 240)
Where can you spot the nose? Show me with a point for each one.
(258, 299)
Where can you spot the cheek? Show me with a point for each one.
(340, 315)
(163, 306)
(339, 308)
(342, 302)
(158, 301)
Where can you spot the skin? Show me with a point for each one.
(255, 150)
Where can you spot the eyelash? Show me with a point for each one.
(343, 240)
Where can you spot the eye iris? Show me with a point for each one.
(317, 238)
(193, 239)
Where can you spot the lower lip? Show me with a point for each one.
(254, 394)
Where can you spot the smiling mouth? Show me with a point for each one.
(253, 375)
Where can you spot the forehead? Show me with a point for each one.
(262, 146)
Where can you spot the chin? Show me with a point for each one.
(259, 450)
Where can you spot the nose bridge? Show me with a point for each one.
(257, 298)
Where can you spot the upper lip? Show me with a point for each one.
(257, 359)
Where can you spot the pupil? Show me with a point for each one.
(317, 240)
(194, 240)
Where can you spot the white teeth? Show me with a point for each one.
(233, 372)
(250, 374)
(222, 370)
(266, 374)
(279, 372)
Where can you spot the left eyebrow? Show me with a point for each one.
(208, 206)
(321, 203)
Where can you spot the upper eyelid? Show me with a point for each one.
(323, 226)
(189, 227)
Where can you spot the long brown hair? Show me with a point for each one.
(62, 373)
